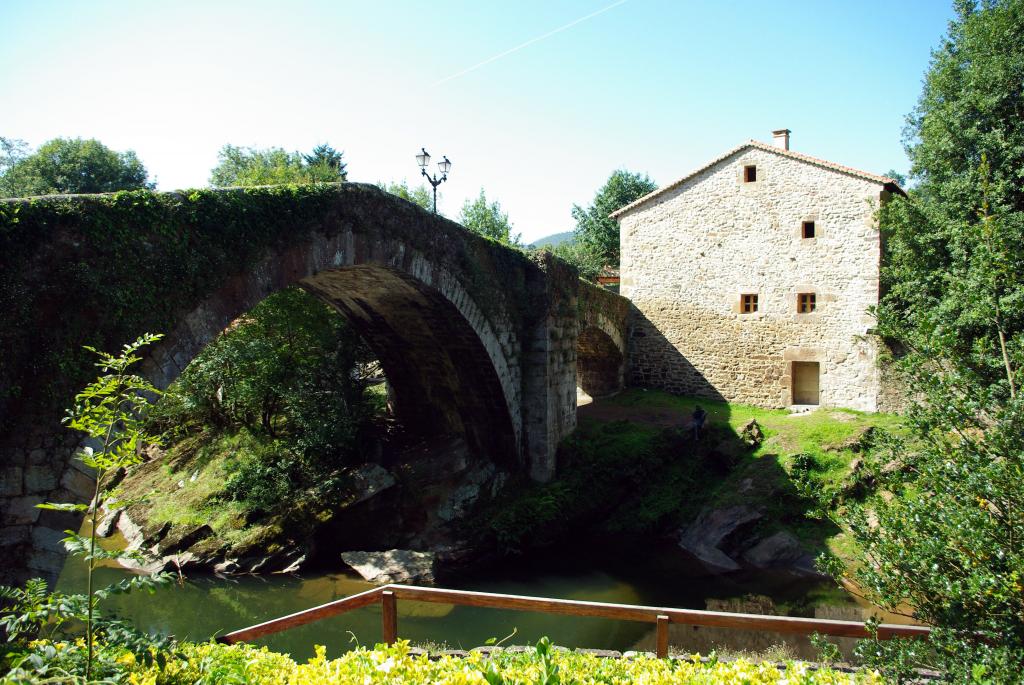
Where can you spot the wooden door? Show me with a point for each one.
(805, 382)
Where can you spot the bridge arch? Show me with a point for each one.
(479, 339)
(600, 357)
(601, 354)
(447, 363)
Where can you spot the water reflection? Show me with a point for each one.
(203, 607)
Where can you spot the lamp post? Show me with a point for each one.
(423, 159)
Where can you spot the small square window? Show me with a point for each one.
(750, 174)
(748, 304)
(808, 229)
(806, 303)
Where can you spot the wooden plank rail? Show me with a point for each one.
(389, 595)
(301, 618)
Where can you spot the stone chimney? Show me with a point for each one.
(781, 138)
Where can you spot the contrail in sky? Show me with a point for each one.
(530, 42)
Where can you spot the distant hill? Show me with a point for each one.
(552, 240)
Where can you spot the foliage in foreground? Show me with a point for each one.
(214, 664)
(110, 411)
(945, 539)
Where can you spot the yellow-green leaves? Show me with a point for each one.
(396, 665)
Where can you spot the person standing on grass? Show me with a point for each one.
(697, 421)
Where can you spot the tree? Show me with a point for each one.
(969, 109)
(284, 370)
(419, 195)
(69, 165)
(943, 533)
(971, 105)
(487, 219)
(596, 233)
(587, 261)
(12, 151)
(239, 166)
(326, 159)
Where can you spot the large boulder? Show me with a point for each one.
(108, 525)
(781, 549)
(703, 537)
(392, 566)
(461, 499)
(368, 480)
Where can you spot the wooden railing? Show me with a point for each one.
(389, 595)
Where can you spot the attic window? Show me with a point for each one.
(808, 229)
(750, 173)
(806, 303)
(748, 303)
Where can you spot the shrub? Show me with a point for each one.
(214, 664)
(262, 484)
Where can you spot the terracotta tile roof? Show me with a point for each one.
(767, 147)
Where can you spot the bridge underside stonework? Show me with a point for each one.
(476, 339)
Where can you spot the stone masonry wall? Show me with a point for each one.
(601, 340)
(689, 255)
(480, 339)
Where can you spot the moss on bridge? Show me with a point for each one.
(100, 269)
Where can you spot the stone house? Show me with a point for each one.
(752, 277)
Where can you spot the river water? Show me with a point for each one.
(202, 607)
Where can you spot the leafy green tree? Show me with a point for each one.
(284, 370)
(326, 159)
(969, 110)
(971, 105)
(12, 151)
(948, 543)
(420, 195)
(487, 219)
(587, 261)
(596, 233)
(240, 166)
(69, 165)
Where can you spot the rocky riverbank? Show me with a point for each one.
(728, 501)
(395, 523)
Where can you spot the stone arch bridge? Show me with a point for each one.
(477, 339)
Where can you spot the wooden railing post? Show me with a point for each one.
(389, 617)
(662, 648)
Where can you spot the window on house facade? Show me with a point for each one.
(808, 229)
(749, 173)
(806, 303)
(748, 304)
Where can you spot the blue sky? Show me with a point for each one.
(646, 85)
